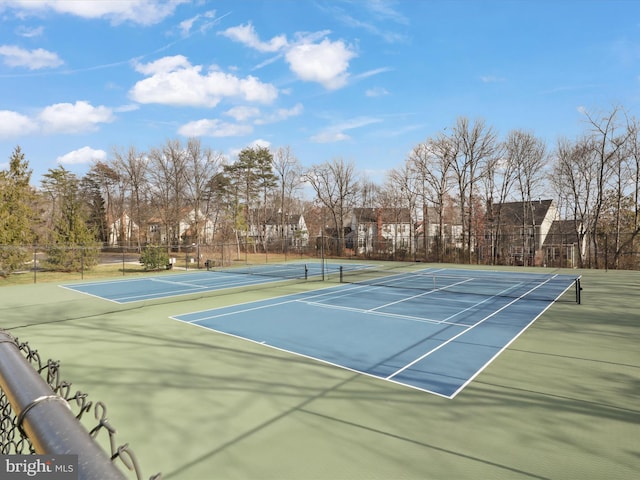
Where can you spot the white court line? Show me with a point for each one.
(260, 307)
(420, 358)
(186, 284)
(381, 314)
(486, 300)
(194, 288)
(428, 292)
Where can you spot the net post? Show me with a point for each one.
(306, 272)
(341, 280)
(578, 291)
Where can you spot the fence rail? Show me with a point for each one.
(37, 415)
(558, 251)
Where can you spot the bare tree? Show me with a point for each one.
(132, 166)
(476, 143)
(167, 177)
(444, 152)
(406, 188)
(634, 167)
(369, 198)
(498, 179)
(336, 188)
(527, 154)
(431, 163)
(202, 164)
(574, 179)
(607, 138)
(289, 172)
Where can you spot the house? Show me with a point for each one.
(196, 227)
(381, 230)
(516, 231)
(429, 237)
(562, 246)
(122, 231)
(191, 228)
(277, 228)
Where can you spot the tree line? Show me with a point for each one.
(460, 175)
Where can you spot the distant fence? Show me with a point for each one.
(621, 252)
(604, 251)
(37, 416)
(34, 263)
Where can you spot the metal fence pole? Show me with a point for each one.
(46, 418)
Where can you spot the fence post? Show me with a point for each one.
(46, 418)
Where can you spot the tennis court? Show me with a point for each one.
(560, 402)
(432, 329)
(198, 282)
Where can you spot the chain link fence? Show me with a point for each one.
(26, 264)
(40, 414)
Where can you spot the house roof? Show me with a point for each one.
(562, 232)
(275, 218)
(517, 213)
(389, 215)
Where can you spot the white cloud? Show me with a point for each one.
(15, 56)
(59, 118)
(384, 10)
(213, 128)
(187, 25)
(309, 57)
(174, 81)
(205, 21)
(260, 143)
(131, 107)
(144, 12)
(326, 62)
(163, 65)
(74, 118)
(13, 124)
(336, 133)
(243, 113)
(281, 114)
(330, 136)
(247, 35)
(376, 92)
(82, 156)
(29, 32)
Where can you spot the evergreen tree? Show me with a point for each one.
(74, 243)
(16, 214)
(250, 178)
(97, 212)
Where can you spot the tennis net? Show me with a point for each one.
(291, 271)
(487, 284)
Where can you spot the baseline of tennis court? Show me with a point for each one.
(429, 339)
(187, 283)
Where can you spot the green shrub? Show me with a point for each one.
(154, 257)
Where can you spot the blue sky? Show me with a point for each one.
(365, 81)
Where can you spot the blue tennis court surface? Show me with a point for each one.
(187, 283)
(430, 332)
